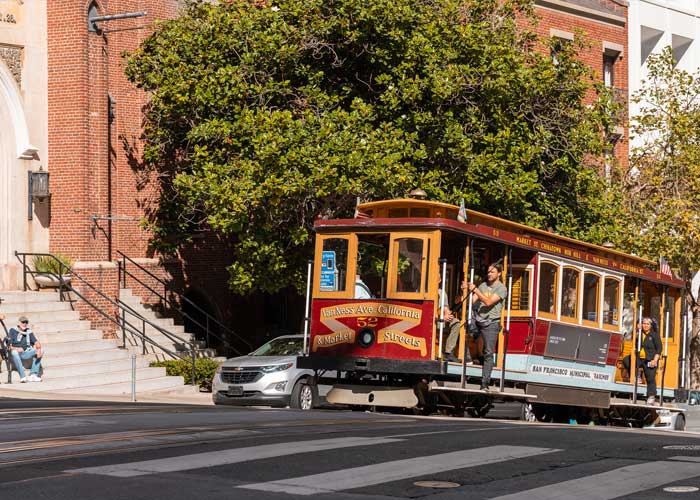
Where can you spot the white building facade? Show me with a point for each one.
(23, 131)
(655, 24)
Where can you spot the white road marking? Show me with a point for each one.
(451, 431)
(686, 459)
(369, 475)
(224, 457)
(612, 484)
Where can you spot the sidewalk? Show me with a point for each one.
(185, 396)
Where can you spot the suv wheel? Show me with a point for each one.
(304, 396)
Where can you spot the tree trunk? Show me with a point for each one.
(694, 349)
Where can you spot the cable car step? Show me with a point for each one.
(508, 394)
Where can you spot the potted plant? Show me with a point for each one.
(49, 269)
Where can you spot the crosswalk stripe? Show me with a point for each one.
(612, 484)
(686, 459)
(369, 475)
(224, 457)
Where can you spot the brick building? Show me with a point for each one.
(604, 27)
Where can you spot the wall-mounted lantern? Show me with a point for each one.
(38, 188)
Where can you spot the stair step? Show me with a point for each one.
(85, 381)
(37, 318)
(51, 338)
(74, 358)
(19, 297)
(60, 326)
(149, 385)
(81, 346)
(29, 309)
(83, 369)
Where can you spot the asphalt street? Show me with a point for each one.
(87, 450)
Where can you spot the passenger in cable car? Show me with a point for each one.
(490, 294)
(362, 291)
(451, 327)
(649, 354)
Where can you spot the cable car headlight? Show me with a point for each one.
(365, 337)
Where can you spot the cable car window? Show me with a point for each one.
(569, 296)
(420, 212)
(547, 293)
(520, 294)
(373, 261)
(628, 310)
(334, 265)
(591, 283)
(409, 265)
(611, 302)
(671, 303)
(398, 212)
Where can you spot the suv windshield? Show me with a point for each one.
(280, 347)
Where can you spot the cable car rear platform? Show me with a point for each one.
(494, 393)
(641, 403)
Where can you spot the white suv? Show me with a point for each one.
(267, 376)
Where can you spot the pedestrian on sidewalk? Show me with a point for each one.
(23, 345)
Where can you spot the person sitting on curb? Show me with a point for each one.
(23, 344)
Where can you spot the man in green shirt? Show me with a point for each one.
(490, 295)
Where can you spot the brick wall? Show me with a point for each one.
(102, 276)
(90, 177)
(595, 32)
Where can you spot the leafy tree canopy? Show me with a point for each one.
(265, 116)
(662, 186)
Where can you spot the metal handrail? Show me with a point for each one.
(124, 325)
(170, 304)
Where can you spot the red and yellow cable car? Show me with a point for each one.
(569, 319)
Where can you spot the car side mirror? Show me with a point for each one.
(693, 402)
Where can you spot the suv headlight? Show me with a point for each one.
(276, 368)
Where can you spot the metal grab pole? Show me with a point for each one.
(443, 263)
(665, 356)
(506, 334)
(194, 363)
(684, 333)
(133, 377)
(306, 309)
(463, 377)
(637, 342)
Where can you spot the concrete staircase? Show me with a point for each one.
(76, 357)
(134, 342)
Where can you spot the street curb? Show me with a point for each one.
(178, 398)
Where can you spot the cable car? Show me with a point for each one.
(570, 317)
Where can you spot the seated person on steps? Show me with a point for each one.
(23, 344)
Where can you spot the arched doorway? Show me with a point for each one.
(15, 151)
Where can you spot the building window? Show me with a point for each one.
(560, 40)
(609, 70)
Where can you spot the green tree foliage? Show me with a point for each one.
(264, 117)
(662, 185)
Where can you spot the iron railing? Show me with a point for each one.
(66, 286)
(167, 303)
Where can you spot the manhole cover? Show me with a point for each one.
(681, 489)
(436, 484)
(695, 447)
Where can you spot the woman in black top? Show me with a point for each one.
(649, 356)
